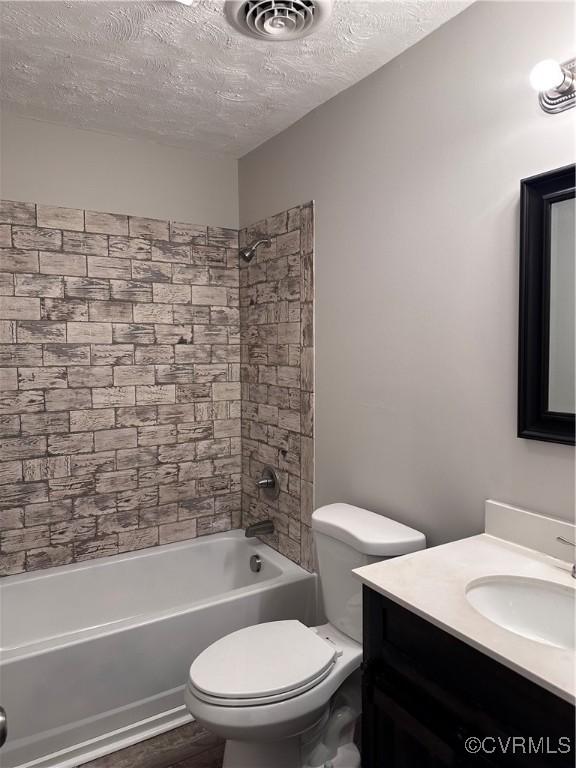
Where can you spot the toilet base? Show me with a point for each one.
(283, 754)
(348, 756)
(246, 754)
(329, 743)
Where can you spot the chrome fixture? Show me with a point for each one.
(556, 84)
(248, 253)
(278, 20)
(255, 563)
(262, 528)
(572, 544)
(269, 484)
(266, 482)
(3, 726)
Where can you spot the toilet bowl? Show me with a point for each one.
(284, 695)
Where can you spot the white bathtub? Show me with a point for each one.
(94, 656)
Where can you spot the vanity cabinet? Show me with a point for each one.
(425, 693)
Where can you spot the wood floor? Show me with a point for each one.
(190, 746)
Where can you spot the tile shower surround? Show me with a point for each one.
(119, 384)
(277, 340)
(120, 410)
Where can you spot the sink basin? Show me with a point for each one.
(536, 609)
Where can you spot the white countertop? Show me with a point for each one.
(432, 584)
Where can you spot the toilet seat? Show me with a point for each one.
(262, 664)
(222, 701)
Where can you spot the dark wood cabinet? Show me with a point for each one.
(432, 701)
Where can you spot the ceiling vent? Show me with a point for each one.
(278, 20)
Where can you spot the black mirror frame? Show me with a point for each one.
(535, 421)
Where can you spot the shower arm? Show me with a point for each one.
(247, 253)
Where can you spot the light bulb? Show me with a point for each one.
(546, 75)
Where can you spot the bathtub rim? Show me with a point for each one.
(289, 572)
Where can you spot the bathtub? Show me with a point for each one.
(94, 656)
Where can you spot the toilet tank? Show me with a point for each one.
(349, 537)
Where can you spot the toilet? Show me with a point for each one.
(284, 695)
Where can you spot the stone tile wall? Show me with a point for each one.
(119, 384)
(276, 307)
(120, 411)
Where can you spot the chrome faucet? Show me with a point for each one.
(262, 528)
(572, 544)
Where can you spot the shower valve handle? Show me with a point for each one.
(268, 483)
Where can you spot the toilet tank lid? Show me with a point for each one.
(367, 532)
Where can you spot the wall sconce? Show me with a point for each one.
(555, 83)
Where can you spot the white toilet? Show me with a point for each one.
(284, 695)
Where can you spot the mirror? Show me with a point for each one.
(547, 343)
(562, 336)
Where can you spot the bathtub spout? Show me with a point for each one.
(261, 528)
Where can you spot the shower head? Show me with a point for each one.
(249, 251)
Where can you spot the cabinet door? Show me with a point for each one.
(396, 737)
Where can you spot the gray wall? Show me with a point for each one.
(415, 174)
(58, 165)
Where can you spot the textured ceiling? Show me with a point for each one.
(181, 75)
